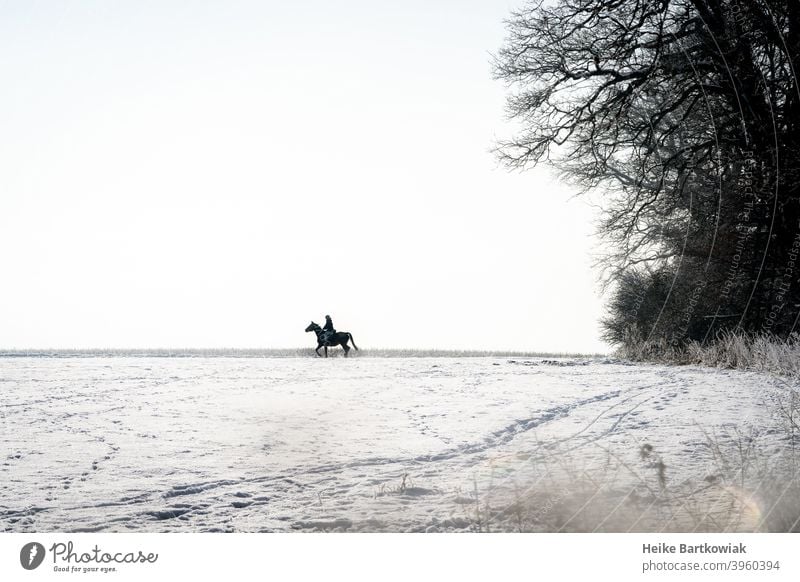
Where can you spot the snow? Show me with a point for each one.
(158, 444)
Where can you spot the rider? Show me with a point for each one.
(327, 329)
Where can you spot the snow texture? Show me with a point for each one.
(304, 444)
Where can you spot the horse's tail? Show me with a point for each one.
(350, 335)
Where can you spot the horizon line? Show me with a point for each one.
(276, 352)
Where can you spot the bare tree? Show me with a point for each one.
(685, 113)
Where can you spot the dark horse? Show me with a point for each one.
(340, 338)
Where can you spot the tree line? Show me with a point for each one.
(685, 115)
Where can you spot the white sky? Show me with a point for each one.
(191, 174)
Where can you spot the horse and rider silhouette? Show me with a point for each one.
(329, 337)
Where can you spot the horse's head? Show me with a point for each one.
(313, 327)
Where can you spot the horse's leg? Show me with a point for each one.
(326, 350)
(317, 351)
(346, 348)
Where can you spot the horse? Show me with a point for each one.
(340, 338)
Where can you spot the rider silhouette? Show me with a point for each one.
(327, 329)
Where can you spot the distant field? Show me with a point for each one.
(273, 353)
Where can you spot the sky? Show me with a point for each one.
(219, 174)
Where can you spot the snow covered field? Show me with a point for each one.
(157, 444)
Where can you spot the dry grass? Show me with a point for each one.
(746, 482)
(736, 494)
(763, 352)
